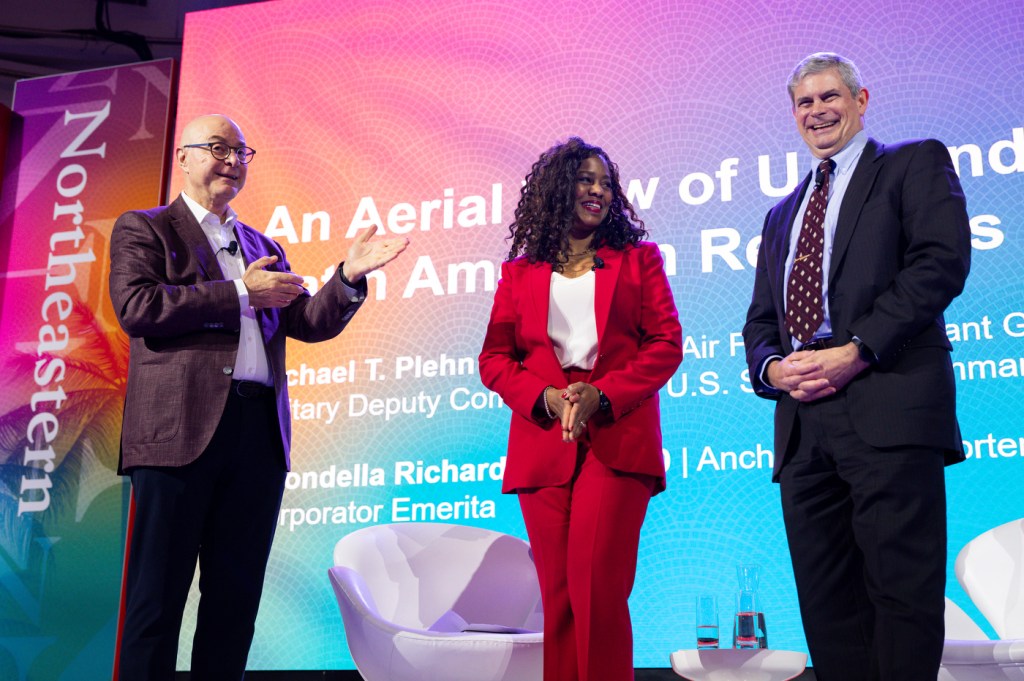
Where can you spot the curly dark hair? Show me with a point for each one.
(546, 207)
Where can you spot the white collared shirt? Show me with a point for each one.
(251, 361)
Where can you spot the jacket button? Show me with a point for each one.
(229, 370)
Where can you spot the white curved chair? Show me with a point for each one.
(990, 568)
(407, 590)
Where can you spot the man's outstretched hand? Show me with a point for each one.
(364, 256)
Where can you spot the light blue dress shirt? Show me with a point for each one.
(846, 162)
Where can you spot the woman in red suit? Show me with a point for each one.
(582, 335)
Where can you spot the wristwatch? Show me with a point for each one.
(604, 404)
(864, 351)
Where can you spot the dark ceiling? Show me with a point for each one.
(45, 37)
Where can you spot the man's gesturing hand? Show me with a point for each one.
(270, 289)
(364, 256)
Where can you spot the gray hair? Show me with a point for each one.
(823, 61)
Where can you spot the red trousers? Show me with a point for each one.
(585, 536)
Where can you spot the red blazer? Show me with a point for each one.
(639, 348)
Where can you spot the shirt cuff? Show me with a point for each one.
(356, 293)
(243, 293)
(762, 374)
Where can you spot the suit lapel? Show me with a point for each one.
(861, 182)
(782, 237)
(539, 278)
(248, 244)
(251, 250)
(185, 224)
(607, 276)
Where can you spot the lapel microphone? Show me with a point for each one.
(231, 248)
(598, 263)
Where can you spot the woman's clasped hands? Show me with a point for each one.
(573, 406)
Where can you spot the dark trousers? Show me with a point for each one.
(222, 510)
(867, 536)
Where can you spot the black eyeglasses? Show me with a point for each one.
(221, 151)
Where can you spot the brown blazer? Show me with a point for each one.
(183, 318)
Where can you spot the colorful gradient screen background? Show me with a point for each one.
(364, 111)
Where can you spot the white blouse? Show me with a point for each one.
(572, 325)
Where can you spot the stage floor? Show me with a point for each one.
(350, 675)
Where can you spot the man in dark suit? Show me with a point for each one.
(207, 303)
(845, 330)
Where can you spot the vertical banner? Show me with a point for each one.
(5, 126)
(83, 148)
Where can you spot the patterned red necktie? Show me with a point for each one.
(804, 307)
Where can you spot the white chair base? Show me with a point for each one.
(728, 664)
(982, 661)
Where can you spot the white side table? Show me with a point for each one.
(728, 664)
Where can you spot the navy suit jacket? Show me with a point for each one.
(183, 319)
(901, 253)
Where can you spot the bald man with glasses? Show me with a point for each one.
(208, 302)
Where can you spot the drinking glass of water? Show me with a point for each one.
(707, 621)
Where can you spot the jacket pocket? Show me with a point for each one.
(153, 405)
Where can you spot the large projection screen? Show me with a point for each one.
(422, 117)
